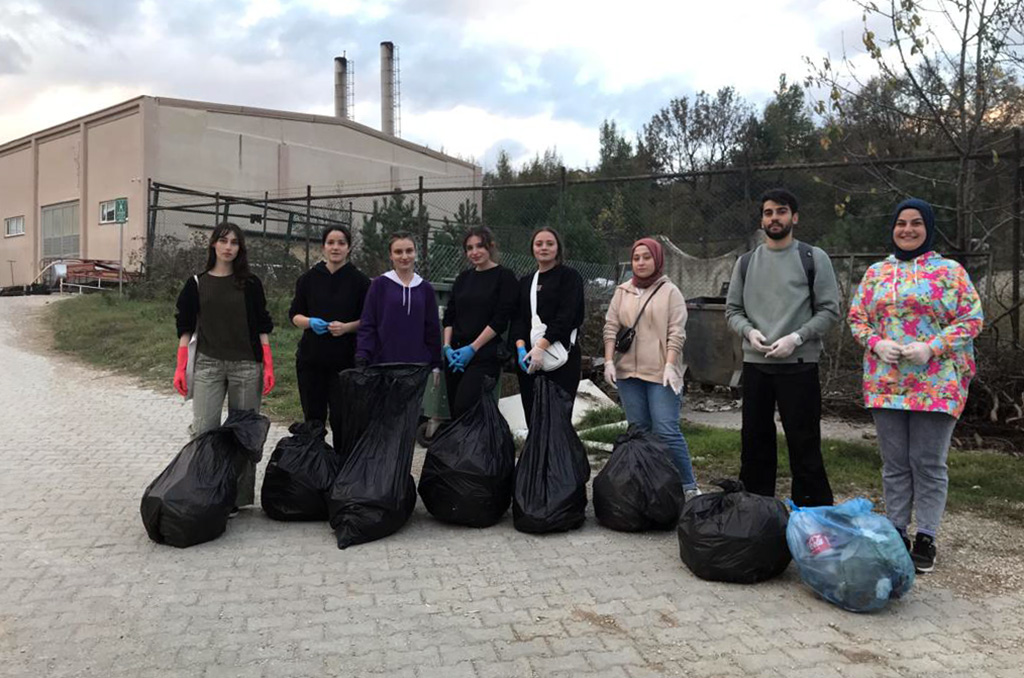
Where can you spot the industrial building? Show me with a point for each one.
(58, 186)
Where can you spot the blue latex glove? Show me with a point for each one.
(449, 355)
(523, 364)
(317, 325)
(463, 356)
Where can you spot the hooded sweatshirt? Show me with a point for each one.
(337, 296)
(929, 299)
(399, 324)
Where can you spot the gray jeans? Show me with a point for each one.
(242, 382)
(914, 447)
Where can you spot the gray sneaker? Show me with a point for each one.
(690, 494)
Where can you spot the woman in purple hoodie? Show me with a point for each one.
(400, 322)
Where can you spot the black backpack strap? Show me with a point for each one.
(807, 260)
(744, 265)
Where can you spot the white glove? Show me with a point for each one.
(916, 352)
(757, 340)
(535, 358)
(784, 347)
(672, 378)
(609, 372)
(888, 351)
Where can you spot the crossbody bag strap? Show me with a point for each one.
(637, 321)
(533, 294)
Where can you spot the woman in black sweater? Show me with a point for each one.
(482, 303)
(559, 307)
(327, 304)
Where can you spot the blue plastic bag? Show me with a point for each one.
(849, 555)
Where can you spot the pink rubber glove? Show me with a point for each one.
(180, 383)
(268, 370)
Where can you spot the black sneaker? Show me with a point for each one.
(923, 553)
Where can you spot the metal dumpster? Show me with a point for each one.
(713, 353)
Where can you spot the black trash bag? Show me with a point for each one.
(374, 493)
(551, 477)
(300, 474)
(733, 535)
(639, 488)
(190, 501)
(467, 473)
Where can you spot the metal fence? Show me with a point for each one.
(707, 218)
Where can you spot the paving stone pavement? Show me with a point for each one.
(84, 592)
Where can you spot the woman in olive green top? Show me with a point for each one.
(227, 309)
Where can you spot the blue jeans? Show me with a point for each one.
(656, 408)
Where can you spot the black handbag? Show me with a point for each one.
(624, 337)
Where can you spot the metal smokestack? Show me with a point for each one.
(341, 93)
(387, 88)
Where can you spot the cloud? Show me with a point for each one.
(532, 74)
(13, 58)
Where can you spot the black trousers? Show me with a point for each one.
(320, 392)
(567, 376)
(465, 388)
(798, 395)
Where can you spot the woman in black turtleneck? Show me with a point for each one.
(327, 304)
(482, 303)
(559, 306)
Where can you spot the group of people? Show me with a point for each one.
(915, 313)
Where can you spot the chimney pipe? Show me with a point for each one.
(341, 87)
(387, 88)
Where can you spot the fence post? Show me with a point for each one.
(216, 208)
(309, 215)
(561, 196)
(1018, 186)
(266, 198)
(154, 202)
(424, 228)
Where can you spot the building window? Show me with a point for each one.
(14, 226)
(107, 212)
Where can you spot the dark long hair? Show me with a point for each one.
(558, 239)
(240, 266)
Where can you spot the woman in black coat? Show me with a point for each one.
(555, 320)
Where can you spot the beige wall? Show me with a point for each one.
(234, 153)
(115, 171)
(111, 154)
(60, 162)
(16, 200)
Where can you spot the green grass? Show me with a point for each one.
(137, 338)
(986, 482)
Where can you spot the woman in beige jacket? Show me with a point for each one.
(649, 375)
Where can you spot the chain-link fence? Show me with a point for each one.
(705, 218)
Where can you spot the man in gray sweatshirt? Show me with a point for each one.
(782, 300)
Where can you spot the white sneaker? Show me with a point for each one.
(690, 494)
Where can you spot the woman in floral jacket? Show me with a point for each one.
(916, 314)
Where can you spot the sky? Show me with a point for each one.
(477, 76)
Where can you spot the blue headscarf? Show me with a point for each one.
(929, 225)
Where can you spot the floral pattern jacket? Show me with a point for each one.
(929, 299)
